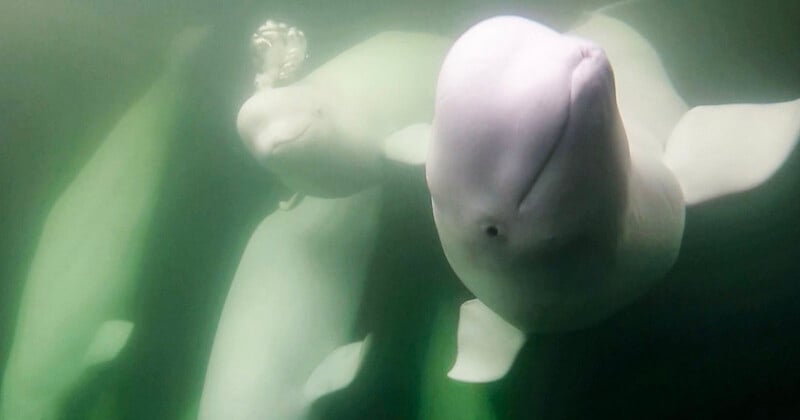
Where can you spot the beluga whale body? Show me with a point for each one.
(560, 166)
(285, 335)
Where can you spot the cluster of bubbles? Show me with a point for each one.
(280, 51)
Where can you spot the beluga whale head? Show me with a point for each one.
(528, 169)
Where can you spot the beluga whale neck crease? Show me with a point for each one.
(559, 185)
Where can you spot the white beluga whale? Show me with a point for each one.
(323, 135)
(285, 336)
(560, 166)
(77, 299)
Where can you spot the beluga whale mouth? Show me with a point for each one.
(266, 146)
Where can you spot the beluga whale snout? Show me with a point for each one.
(528, 171)
(560, 167)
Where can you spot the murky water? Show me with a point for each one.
(717, 336)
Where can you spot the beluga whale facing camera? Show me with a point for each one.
(559, 185)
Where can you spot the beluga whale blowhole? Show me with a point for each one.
(560, 166)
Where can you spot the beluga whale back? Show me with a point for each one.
(560, 166)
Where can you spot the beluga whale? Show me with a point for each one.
(79, 293)
(560, 166)
(285, 335)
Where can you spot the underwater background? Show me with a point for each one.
(716, 337)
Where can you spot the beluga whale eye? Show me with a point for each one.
(491, 231)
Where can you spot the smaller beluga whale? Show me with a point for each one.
(560, 166)
(285, 335)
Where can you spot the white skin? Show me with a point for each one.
(292, 301)
(87, 260)
(542, 205)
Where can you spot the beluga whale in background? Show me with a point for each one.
(559, 185)
(79, 292)
(285, 335)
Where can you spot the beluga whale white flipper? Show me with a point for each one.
(726, 161)
(559, 185)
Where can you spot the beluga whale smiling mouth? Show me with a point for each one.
(559, 185)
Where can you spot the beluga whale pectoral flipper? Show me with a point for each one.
(560, 166)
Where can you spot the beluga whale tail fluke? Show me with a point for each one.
(560, 167)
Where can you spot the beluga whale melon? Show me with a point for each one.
(560, 167)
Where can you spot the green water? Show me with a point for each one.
(718, 336)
